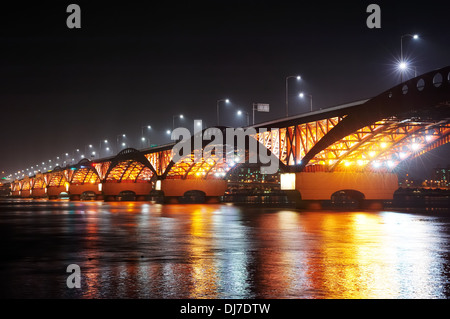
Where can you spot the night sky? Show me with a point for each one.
(132, 65)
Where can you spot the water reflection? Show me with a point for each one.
(140, 250)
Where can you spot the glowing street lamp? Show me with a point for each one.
(173, 120)
(90, 147)
(218, 104)
(148, 127)
(117, 140)
(403, 65)
(239, 113)
(100, 148)
(302, 95)
(298, 77)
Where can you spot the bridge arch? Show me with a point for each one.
(402, 122)
(132, 168)
(130, 165)
(215, 166)
(84, 173)
(347, 197)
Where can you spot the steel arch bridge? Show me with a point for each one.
(371, 136)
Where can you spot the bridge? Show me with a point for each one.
(351, 148)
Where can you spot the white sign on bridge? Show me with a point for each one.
(262, 107)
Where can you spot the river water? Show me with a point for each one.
(141, 250)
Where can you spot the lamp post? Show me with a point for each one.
(90, 147)
(218, 103)
(173, 120)
(302, 95)
(403, 65)
(287, 96)
(143, 139)
(120, 135)
(100, 146)
(239, 113)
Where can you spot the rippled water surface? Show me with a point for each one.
(140, 250)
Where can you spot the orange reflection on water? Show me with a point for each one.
(347, 255)
(206, 251)
(204, 272)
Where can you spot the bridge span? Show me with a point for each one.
(351, 148)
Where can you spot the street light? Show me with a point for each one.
(148, 127)
(100, 148)
(218, 103)
(403, 65)
(298, 77)
(239, 113)
(117, 140)
(173, 120)
(90, 146)
(302, 95)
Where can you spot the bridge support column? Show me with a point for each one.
(25, 194)
(175, 189)
(76, 191)
(111, 191)
(39, 193)
(316, 187)
(53, 192)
